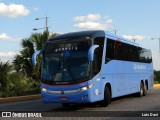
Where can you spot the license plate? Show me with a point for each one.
(63, 98)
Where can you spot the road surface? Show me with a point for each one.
(151, 102)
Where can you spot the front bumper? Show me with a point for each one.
(70, 97)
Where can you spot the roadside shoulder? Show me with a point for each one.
(19, 98)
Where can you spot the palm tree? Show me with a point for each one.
(23, 61)
(40, 40)
(18, 63)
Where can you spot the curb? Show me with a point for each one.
(156, 85)
(20, 98)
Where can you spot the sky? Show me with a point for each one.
(133, 19)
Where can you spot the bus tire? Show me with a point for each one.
(107, 97)
(141, 92)
(145, 89)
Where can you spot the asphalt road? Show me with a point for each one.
(151, 102)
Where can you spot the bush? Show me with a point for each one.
(156, 82)
(157, 76)
(20, 85)
(5, 69)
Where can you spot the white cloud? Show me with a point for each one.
(93, 21)
(92, 25)
(89, 17)
(136, 37)
(5, 37)
(8, 54)
(13, 10)
(35, 9)
(109, 21)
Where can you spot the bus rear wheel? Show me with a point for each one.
(141, 92)
(145, 89)
(107, 97)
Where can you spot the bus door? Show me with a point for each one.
(97, 63)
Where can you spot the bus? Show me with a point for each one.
(93, 66)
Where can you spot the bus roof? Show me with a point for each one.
(94, 33)
(90, 33)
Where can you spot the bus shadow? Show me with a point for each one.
(76, 107)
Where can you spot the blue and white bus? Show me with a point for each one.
(92, 66)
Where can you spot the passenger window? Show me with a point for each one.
(109, 50)
(98, 54)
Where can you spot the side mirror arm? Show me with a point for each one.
(35, 55)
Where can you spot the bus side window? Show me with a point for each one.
(98, 54)
(144, 55)
(109, 50)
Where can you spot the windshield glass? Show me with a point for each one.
(66, 62)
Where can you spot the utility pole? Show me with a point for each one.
(46, 18)
(133, 38)
(159, 42)
(115, 32)
(46, 23)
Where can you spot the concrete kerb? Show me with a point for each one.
(20, 98)
(33, 97)
(156, 85)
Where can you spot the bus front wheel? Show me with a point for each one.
(107, 97)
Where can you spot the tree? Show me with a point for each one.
(5, 69)
(157, 76)
(23, 61)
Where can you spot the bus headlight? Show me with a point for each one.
(44, 89)
(83, 88)
(87, 87)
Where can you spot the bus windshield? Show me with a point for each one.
(66, 61)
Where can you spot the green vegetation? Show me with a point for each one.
(20, 77)
(23, 61)
(5, 69)
(156, 77)
(19, 85)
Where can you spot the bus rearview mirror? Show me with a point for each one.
(34, 56)
(91, 52)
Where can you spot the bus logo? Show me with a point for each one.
(139, 67)
(67, 54)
